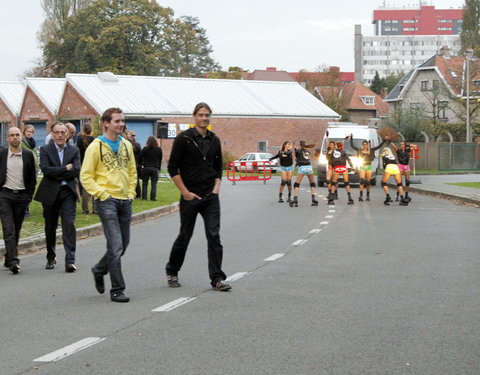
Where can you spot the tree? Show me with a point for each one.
(233, 72)
(470, 34)
(129, 37)
(377, 84)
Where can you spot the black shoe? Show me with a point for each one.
(173, 281)
(222, 286)
(397, 199)
(387, 201)
(408, 199)
(70, 268)
(15, 269)
(403, 202)
(367, 198)
(99, 283)
(6, 264)
(50, 265)
(360, 199)
(350, 201)
(119, 297)
(153, 200)
(280, 199)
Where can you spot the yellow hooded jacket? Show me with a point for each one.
(105, 174)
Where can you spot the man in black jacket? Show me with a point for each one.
(195, 166)
(17, 185)
(58, 193)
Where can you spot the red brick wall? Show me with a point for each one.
(74, 107)
(34, 110)
(6, 115)
(241, 135)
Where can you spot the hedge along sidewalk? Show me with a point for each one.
(37, 242)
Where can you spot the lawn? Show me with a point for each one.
(167, 193)
(436, 171)
(475, 185)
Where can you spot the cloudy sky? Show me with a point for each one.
(253, 34)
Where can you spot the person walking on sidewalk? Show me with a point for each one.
(58, 193)
(195, 166)
(150, 161)
(109, 173)
(18, 177)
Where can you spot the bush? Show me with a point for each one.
(228, 158)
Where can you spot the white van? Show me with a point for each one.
(337, 132)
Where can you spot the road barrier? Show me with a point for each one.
(249, 171)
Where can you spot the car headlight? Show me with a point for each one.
(357, 162)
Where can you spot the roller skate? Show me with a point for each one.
(335, 195)
(397, 199)
(403, 202)
(280, 198)
(289, 199)
(350, 200)
(408, 198)
(387, 200)
(314, 201)
(360, 198)
(294, 202)
(330, 199)
(368, 198)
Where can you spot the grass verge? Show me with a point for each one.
(475, 185)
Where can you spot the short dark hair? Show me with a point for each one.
(201, 105)
(107, 115)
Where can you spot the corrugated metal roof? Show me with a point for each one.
(178, 96)
(48, 90)
(12, 95)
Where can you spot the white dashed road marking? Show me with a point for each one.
(70, 349)
(324, 222)
(299, 242)
(329, 217)
(237, 276)
(331, 211)
(315, 230)
(174, 304)
(274, 257)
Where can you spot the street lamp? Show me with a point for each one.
(469, 55)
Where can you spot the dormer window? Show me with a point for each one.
(368, 100)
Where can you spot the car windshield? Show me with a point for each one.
(265, 156)
(346, 144)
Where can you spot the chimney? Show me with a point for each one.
(271, 69)
(444, 51)
(384, 92)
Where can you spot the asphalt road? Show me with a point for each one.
(362, 289)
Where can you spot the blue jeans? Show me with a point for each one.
(115, 215)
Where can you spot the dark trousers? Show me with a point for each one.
(65, 207)
(12, 213)
(209, 208)
(115, 215)
(138, 189)
(149, 173)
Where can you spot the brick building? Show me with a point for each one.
(248, 115)
(11, 96)
(40, 104)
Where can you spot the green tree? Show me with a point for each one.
(377, 84)
(233, 72)
(470, 34)
(128, 37)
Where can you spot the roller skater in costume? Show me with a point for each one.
(403, 156)
(391, 169)
(302, 156)
(285, 155)
(330, 148)
(367, 155)
(338, 162)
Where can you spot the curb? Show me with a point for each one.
(32, 244)
(437, 194)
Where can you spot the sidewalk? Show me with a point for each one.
(437, 186)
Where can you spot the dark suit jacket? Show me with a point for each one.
(55, 172)
(29, 172)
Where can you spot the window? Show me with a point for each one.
(424, 86)
(436, 84)
(368, 100)
(4, 126)
(442, 110)
(476, 83)
(262, 146)
(414, 107)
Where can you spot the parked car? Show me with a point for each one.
(247, 162)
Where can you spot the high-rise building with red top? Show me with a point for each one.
(425, 20)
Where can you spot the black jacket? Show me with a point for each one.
(151, 157)
(198, 168)
(83, 141)
(29, 171)
(55, 172)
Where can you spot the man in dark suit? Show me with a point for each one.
(17, 185)
(60, 164)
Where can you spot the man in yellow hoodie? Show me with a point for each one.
(109, 174)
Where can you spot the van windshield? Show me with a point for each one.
(346, 145)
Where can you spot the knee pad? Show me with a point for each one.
(283, 183)
(288, 182)
(312, 184)
(399, 184)
(347, 183)
(329, 182)
(363, 181)
(407, 182)
(296, 185)
(333, 183)
(383, 184)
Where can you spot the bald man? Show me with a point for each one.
(17, 185)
